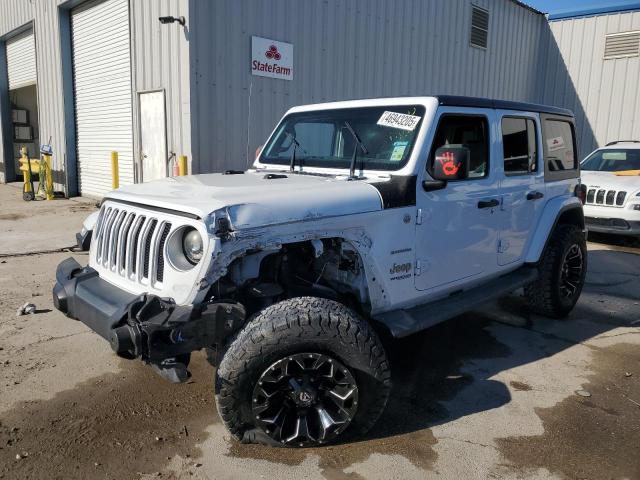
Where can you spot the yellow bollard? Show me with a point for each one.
(182, 165)
(115, 177)
(49, 177)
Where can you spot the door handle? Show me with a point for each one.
(534, 195)
(488, 203)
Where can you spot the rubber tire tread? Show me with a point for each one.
(543, 295)
(302, 324)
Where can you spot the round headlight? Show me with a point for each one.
(192, 245)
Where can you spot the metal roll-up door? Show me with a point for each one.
(21, 60)
(102, 91)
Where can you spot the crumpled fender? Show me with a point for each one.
(553, 209)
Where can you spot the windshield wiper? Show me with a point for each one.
(296, 145)
(359, 144)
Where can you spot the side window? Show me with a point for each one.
(559, 150)
(467, 131)
(519, 145)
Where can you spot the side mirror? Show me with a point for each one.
(451, 163)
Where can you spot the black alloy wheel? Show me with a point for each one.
(571, 273)
(305, 399)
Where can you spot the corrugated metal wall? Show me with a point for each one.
(604, 94)
(160, 61)
(219, 112)
(345, 49)
(15, 14)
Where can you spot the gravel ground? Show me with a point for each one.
(496, 393)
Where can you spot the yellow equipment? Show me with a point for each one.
(25, 166)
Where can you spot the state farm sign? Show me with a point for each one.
(270, 58)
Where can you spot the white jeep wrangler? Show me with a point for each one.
(356, 217)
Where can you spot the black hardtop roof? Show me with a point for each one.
(460, 101)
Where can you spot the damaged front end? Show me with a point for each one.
(148, 327)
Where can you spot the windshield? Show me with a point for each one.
(324, 139)
(611, 160)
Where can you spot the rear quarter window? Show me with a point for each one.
(559, 145)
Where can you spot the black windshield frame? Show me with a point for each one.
(364, 121)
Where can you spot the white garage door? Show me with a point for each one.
(21, 60)
(102, 87)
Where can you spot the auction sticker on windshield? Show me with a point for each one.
(398, 151)
(398, 120)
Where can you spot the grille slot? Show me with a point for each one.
(600, 196)
(135, 240)
(147, 247)
(163, 239)
(620, 198)
(610, 197)
(130, 244)
(591, 195)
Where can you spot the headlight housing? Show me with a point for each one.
(192, 245)
(185, 248)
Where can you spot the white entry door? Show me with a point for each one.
(153, 136)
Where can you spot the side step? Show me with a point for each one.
(402, 323)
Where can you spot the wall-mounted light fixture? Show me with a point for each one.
(165, 20)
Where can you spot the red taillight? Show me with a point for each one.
(581, 192)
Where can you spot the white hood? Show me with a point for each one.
(253, 200)
(610, 181)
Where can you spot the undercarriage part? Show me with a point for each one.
(157, 329)
(173, 370)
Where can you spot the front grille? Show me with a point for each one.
(604, 197)
(130, 244)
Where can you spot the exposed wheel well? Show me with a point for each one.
(327, 268)
(572, 216)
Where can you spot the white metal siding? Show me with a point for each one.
(603, 93)
(21, 60)
(102, 84)
(346, 49)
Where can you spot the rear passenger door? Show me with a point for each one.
(521, 183)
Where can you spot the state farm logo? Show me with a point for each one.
(271, 58)
(273, 53)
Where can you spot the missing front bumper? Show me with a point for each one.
(145, 326)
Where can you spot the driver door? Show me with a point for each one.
(457, 227)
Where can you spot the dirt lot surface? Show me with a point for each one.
(493, 394)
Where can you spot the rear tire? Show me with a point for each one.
(301, 356)
(563, 268)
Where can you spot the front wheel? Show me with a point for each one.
(563, 269)
(303, 372)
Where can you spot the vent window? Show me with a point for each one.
(620, 45)
(479, 26)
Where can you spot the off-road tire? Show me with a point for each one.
(544, 295)
(293, 326)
